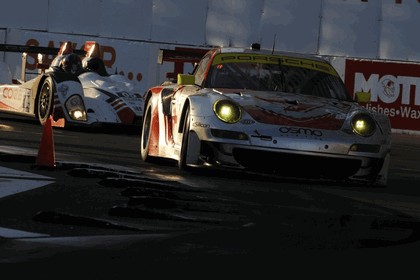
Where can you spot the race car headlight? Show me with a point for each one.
(76, 108)
(227, 111)
(363, 124)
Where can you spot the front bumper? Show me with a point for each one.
(335, 156)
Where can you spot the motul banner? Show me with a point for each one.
(393, 87)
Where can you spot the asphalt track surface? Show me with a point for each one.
(96, 221)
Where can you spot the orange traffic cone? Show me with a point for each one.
(46, 154)
(58, 123)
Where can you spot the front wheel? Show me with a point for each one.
(45, 101)
(146, 133)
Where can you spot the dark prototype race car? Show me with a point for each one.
(265, 111)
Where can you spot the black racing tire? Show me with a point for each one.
(45, 101)
(185, 139)
(146, 133)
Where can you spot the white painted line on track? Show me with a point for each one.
(14, 181)
(101, 241)
(19, 174)
(13, 186)
(13, 233)
(17, 150)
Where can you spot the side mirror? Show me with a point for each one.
(362, 97)
(185, 79)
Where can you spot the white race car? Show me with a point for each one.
(283, 113)
(75, 89)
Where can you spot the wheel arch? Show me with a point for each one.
(57, 109)
(190, 154)
(146, 98)
(187, 104)
(153, 149)
(37, 89)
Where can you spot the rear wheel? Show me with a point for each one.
(185, 139)
(45, 101)
(146, 133)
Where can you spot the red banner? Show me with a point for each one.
(394, 89)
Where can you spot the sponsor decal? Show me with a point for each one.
(202, 125)
(300, 131)
(247, 121)
(63, 89)
(304, 115)
(275, 59)
(11, 93)
(15, 99)
(128, 95)
(390, 88)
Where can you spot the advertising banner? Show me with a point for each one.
(393, 87)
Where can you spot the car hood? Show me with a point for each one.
(292, 109)
(112, 84)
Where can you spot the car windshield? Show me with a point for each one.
(277, 74)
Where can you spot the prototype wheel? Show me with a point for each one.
(146, 133)
(185, 140)
(45, 101)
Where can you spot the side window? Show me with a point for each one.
(201, 70)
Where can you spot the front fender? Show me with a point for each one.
(65, 85)
(202, 105)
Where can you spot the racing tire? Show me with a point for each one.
(45, 101)
(182, 162)
(146, 133)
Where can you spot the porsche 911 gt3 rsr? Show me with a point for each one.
(75, 90)
(284, 113)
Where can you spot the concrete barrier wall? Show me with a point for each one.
(385, 29)
(132, 31)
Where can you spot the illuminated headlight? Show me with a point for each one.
(363, 124)
(76, 108)
(227, 111)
